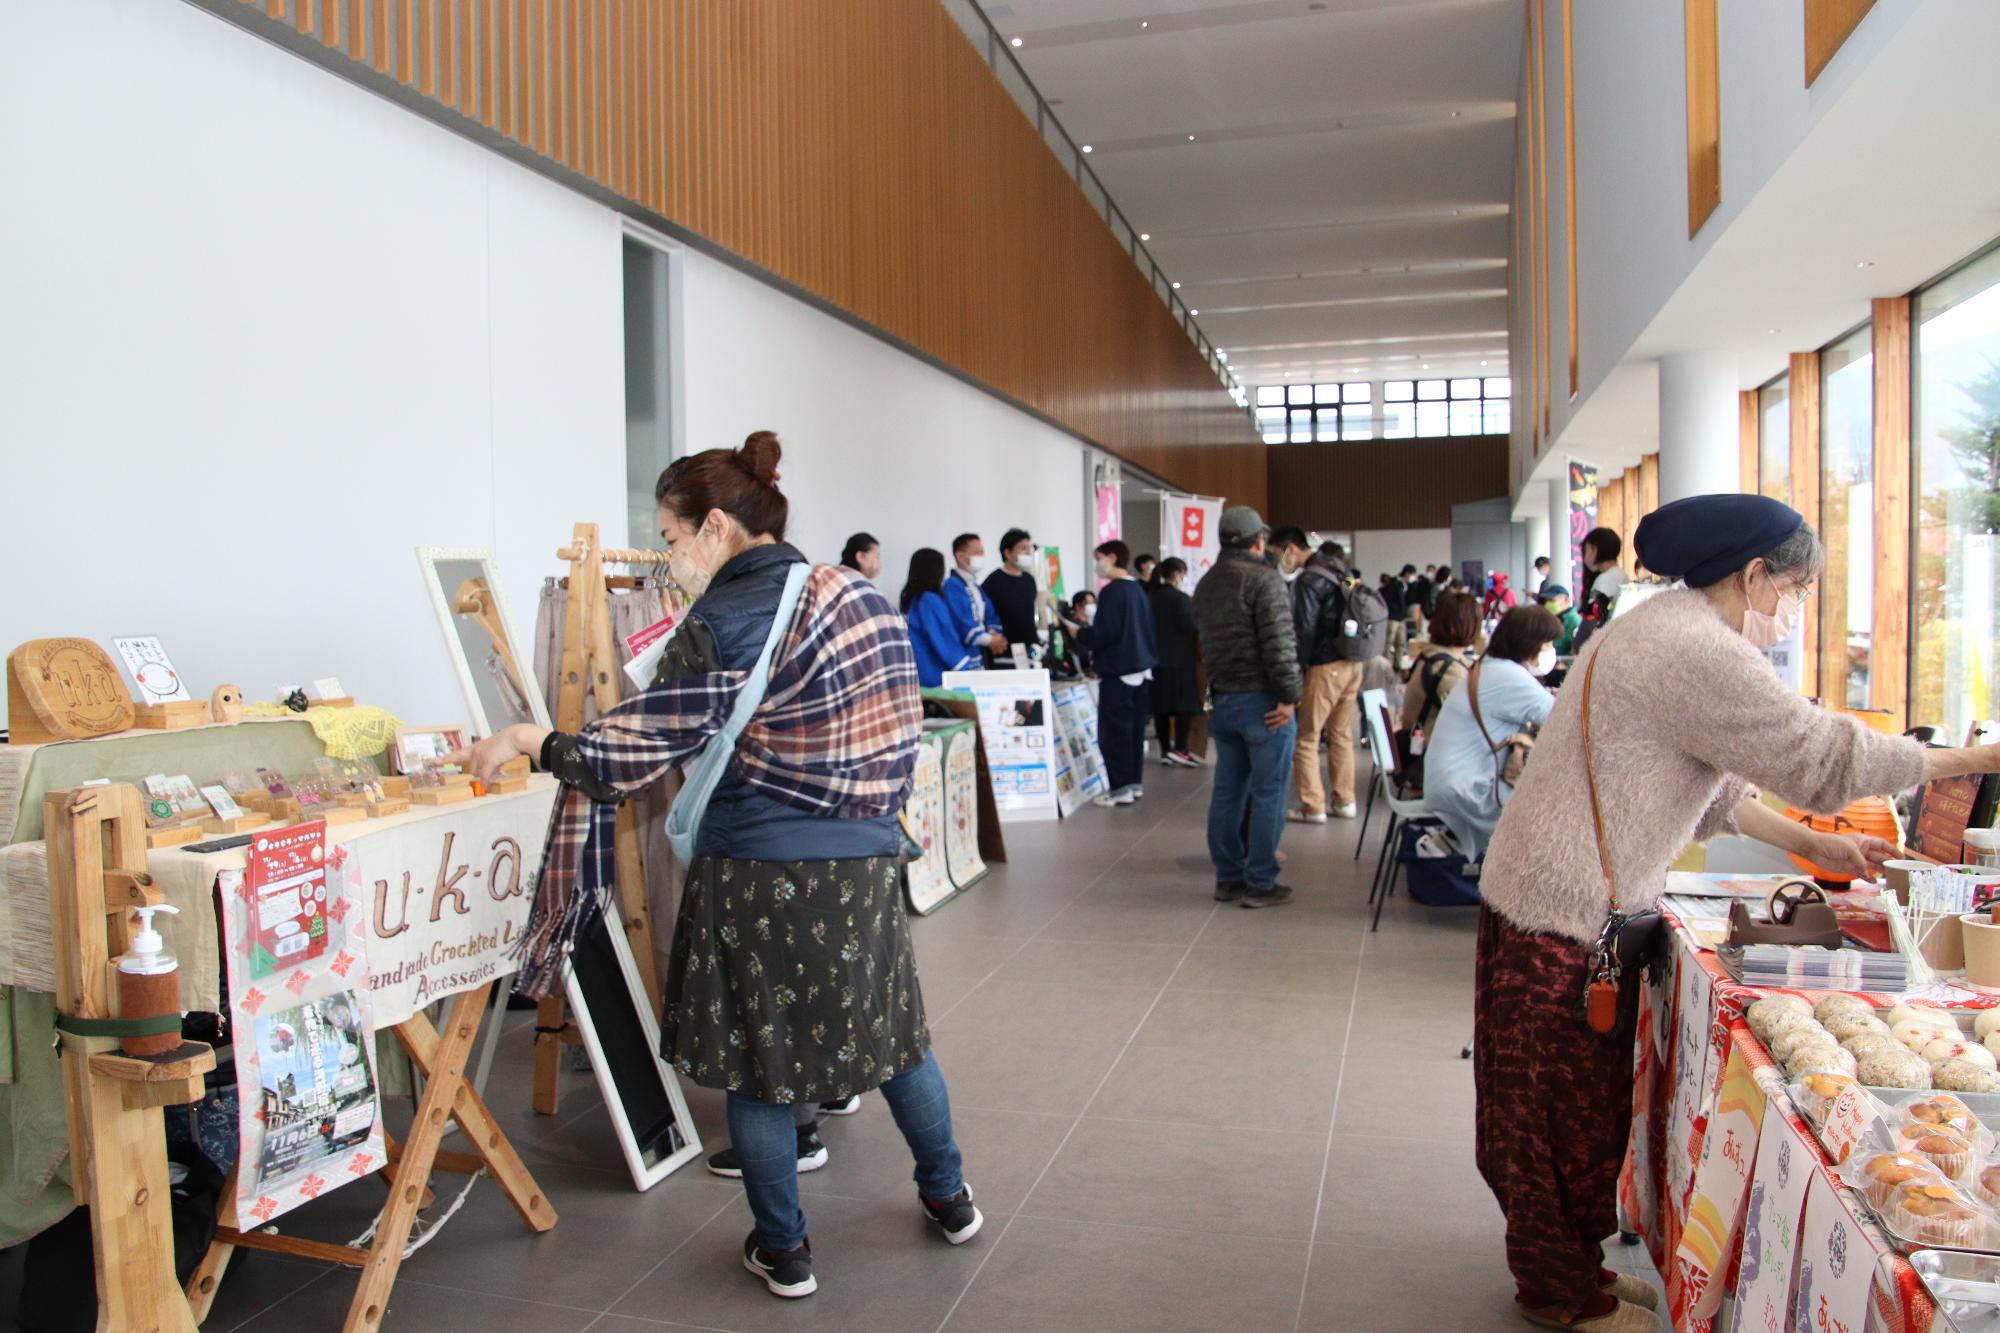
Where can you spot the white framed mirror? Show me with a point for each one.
(498, 678)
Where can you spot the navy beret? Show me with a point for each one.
(1706, 538)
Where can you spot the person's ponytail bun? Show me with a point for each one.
(760, 454)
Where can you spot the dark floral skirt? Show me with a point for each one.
(793, 980)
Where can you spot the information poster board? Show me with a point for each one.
(926, 880)
(1080, 774)
(304, 1023)
(1191, 528)
(961, 806)
(1582, 516)
(1016, 717)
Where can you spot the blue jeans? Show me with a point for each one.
(766, 1140)
(1253, 767)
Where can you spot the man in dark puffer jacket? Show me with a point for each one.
(1249, 646)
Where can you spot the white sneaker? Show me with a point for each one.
(1123, 796)
(1301, 815)
(1136, 791)
(1348, 811)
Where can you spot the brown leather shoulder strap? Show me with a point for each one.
(1472, 697)
(1590, 780)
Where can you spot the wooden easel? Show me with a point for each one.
(590, 669)
(117, 1133)
(448, 1095)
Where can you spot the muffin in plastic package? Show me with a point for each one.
(1880, 1175)
(1946, 1149)
(1935, 1214)
(1818, 1090)
(1986, 1184)
(1943, 1110)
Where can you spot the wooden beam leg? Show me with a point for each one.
(207, 1275)
(392, 1152)
(549, 1020)
(632, 900)
(447, 1077)
(481, 1130)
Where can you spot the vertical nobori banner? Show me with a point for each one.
(1191, 528)
(1582, 518)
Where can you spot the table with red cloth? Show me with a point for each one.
(1728, 1187)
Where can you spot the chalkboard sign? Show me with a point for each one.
(609, 1004)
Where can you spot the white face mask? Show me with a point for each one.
(1768, 629)
(1088, 613)
(975, 564)
(692, 562)
(1545, 661)
(1025, 562)
(1105, 569)
(1288, 575)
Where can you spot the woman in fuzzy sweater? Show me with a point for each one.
(1688, 721)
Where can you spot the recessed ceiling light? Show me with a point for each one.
(1427, 365)
(1288, 374)
(1866, 263)
(1190, 138)
(1482, 363)
(1177, 286)
(1194, 312)
(1088, 149)
(1145, 235)
(1774, 330)
(1454, 115)
(1013, 41)
(1144, 24)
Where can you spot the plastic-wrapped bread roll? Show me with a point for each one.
(1834, 1005)
(1986, 1024)
(1777, 1013)
(1819, 1057)
(1924, 1011)
(1894, 1069)
(1847, 1023)
(1964, 1076)
(1949, 1049)
(1790, 1039)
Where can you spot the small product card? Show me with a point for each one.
(286, 883)
(328, 687)
(647, 647)
(1848, 1122)
(151, 676)
(220, 801)
(183, 793)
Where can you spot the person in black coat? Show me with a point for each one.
(1176, 696)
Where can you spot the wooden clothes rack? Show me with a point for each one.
(589, 670)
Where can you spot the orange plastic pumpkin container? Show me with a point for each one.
(1872, 815)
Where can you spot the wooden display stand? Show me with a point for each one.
(63, 690)
(170, 717)
(117, 1134)
(590, 663)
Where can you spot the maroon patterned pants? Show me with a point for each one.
(1554, 1108)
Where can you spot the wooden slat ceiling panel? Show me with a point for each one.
(863, 152)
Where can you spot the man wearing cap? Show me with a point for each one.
(1250, 648)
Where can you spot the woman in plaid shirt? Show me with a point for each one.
(790, 977)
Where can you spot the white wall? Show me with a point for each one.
(875, 440)
(1388, 550)
(265, 333)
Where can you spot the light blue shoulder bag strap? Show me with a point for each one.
(705, 774)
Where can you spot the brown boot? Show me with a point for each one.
(1623, 1317)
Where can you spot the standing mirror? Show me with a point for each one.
(497, 677)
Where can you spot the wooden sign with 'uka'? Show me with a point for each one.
(64, 690)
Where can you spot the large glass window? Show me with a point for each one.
(1774, 439)
(1956, 553)
(1847, 518)
(1402, 410)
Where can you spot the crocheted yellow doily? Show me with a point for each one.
(361, 732)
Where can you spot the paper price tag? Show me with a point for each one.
(647, 647)
(1848, 1122)
(220, 801)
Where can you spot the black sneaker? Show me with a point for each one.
(788, 1273)
(956, 1216)
(1271, 897)
(847, 1107)
(812, 1156)
(1231, 891)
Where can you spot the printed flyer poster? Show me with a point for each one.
(961, 806)
(925, 879)
(1016, 718)
(316, 1083)
(304, 1021)
(286, 880)
(1079, 763)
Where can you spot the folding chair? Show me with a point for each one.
(1403, 810)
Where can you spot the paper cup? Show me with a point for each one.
(1982, 948)
(1897, 873)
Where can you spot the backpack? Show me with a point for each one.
(1358, 604)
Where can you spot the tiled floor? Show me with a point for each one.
(1177, 1115)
